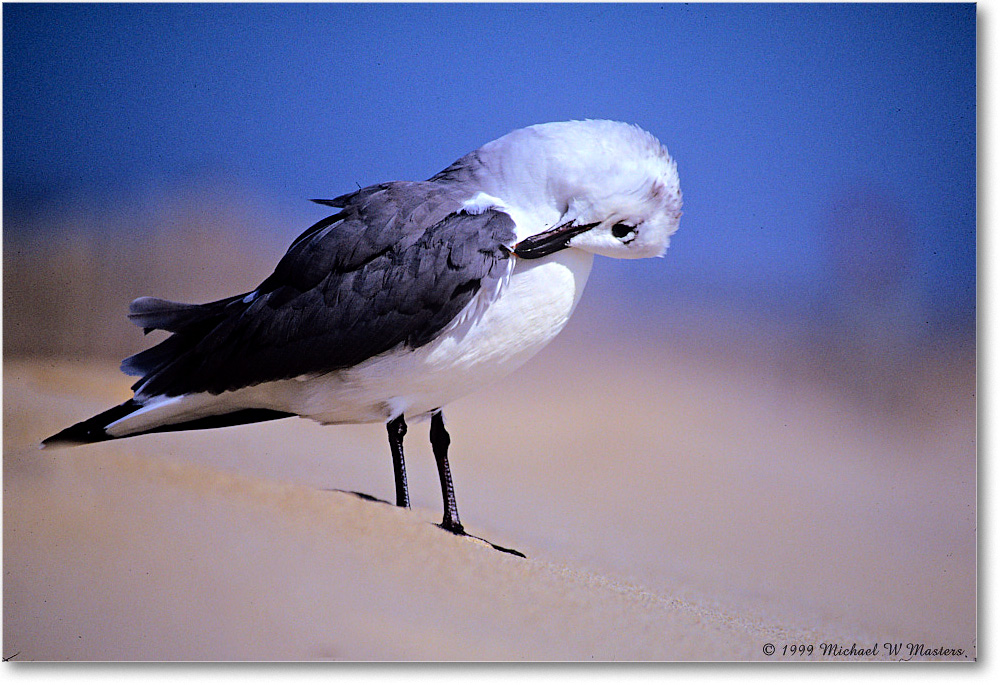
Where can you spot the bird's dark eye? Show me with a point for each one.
(622, 231)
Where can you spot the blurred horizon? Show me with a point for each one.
(774, 426)
(827, 153)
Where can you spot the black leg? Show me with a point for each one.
(397, 429)
(439, 442)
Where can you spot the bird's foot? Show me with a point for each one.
(453, 527)
(458, 529)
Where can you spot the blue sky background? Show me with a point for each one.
(808, 137)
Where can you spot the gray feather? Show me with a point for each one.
(395, 266)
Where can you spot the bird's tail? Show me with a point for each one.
(112, 424)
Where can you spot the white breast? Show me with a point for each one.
(530, 311)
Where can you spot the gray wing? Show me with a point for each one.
(395, 266)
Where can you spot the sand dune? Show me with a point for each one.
(703, 517)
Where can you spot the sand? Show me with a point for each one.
(671, 507)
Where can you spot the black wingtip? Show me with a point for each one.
(82, 433)
(91, 430)
(338, 202)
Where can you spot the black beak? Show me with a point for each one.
(550, 241)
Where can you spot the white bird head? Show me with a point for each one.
(600, 186)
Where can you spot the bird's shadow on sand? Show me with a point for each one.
(360, 495)
(371, 498)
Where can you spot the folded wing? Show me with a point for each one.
(394, 267)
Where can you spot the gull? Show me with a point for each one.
(411, 295)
